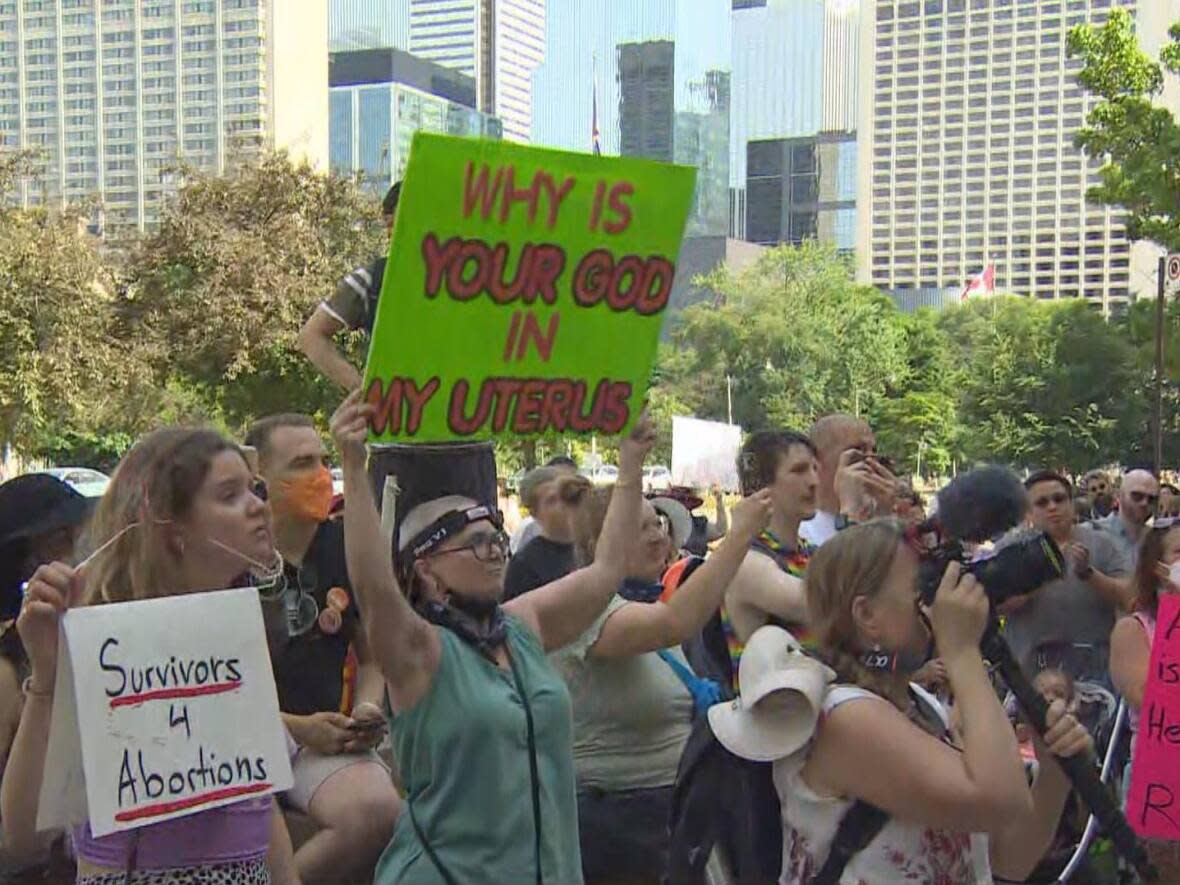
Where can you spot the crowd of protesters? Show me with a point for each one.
(466, 706)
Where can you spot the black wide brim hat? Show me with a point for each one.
(36, 504)
(30, 506)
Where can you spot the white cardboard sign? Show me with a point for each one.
(171, 705)
(704, 453)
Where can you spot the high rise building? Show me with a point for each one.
(379, 98)
(646, 110)
(499, 43)
(967, 155)
(802, 189)
(660, 70)
(794, 76)
(695, 134)
(114, 93)
(368, 24)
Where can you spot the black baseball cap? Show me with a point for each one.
(37, 503)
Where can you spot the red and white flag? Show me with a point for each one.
(983, 283)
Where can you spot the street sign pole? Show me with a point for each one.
(1161, 288)
(1168, 275)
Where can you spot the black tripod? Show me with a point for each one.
(1079, 769)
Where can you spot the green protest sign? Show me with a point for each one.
(524, 291)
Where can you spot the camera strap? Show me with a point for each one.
(858, 827)
(863, 822)
(534, 777)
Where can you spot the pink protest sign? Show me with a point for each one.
(1153, 806)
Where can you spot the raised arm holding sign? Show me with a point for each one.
(524, 291)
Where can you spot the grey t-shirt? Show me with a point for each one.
(1114, 526)
(632, 715)
(1070, 610)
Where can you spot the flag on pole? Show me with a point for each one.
(595, 144)
(983, 283)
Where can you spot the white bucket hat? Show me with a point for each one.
(779, 702)
(678, 516)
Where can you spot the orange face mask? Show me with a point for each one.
(307, 498)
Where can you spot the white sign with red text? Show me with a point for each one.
(173, 703)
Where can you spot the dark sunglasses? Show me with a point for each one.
(1140, 497)
(482, 547)
(1058, 498)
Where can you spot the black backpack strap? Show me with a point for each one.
(858, 827)
(533, 774)
(442, 871)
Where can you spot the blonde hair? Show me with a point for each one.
(856, 562)
(153, 486)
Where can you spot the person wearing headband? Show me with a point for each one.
(180, 516)
(481, 720)
(1157, 571)
(340, 782)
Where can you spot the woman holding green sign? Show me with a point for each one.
(481, 720)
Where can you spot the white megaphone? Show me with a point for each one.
(781, 693)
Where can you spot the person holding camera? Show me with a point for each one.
(959, 805)
(1079, 609)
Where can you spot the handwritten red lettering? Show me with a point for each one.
(618, 205)
(479, 191)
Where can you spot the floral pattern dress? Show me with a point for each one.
(900, 853)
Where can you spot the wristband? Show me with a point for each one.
(28, 691)
(843, 521)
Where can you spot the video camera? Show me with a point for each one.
(976, 508)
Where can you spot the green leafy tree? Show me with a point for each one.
(1042, 384)
(795, 334)
(1137, 141)
(62, 364)
(218, 294)
(917, 424)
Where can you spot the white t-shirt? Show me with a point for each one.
(820, 529)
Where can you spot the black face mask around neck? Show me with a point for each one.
(465, 616)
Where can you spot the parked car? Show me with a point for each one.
(657, 478)
(86, 482)
(602, 475)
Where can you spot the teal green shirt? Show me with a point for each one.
(463, 752)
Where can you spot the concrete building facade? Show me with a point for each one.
(113, 93)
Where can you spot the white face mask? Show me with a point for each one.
(1174, 574)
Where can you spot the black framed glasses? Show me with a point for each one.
(483, 547)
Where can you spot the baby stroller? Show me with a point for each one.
(1076, 855)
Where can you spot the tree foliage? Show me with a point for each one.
(1137, 141)
(217, 295)
(60, 363)
(796, 336)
